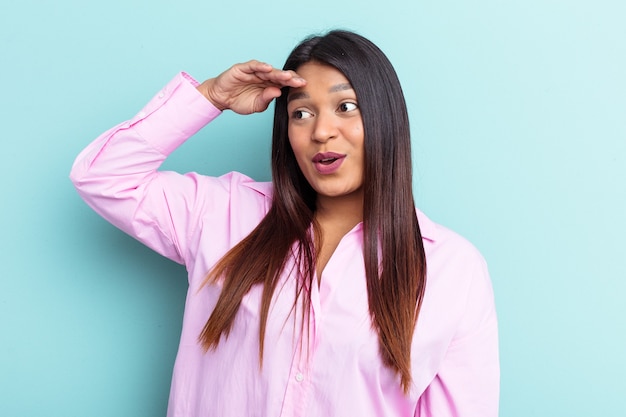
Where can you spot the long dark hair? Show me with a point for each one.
(395, 262)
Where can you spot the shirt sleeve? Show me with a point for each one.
(468, 382)
(117, 173)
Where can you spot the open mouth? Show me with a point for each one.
(328, 162)
(327, 158)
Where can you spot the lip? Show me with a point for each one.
(328, 162)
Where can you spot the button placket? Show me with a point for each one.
(299, 384)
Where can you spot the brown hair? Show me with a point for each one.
(395, 274)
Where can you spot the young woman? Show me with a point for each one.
(324, 292)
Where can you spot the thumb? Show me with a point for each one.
(266, 97)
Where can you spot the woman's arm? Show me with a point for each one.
(117, 174)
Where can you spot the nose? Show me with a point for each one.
(325, 127)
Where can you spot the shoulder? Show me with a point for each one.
(235, 198)
(457, 274)
(223, 211)
(444, 245)
(459, 301)
(240, 184)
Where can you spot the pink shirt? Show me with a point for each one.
(194, 219)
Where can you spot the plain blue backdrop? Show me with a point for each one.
(518, 115)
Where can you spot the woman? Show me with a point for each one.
(324, 293)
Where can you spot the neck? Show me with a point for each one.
(335, 216)
(346, 209)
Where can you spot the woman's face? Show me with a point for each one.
(326, 131)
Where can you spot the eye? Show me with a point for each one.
(347, 106)
(301, 114)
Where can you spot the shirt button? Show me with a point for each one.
(161, 94)
(141, 115)
(299, 377)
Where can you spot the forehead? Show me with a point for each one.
(318, 72)
(320, 78)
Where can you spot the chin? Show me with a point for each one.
(337, 193)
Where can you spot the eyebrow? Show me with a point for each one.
(333, 89)
(340, 87)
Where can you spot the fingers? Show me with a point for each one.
(254, 66)
(269, 75)
(283, 78)
(266, 97)
(248, 87)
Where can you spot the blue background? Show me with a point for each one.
(518, 112)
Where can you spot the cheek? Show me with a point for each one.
(358, 138)
(296, 142)
(358, 133)
(294, 147)
(290, 135)
(291, 141)
(298, 153)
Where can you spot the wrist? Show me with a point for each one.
(206, 89)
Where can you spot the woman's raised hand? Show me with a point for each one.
(249, 87)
